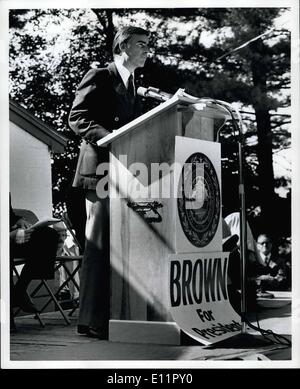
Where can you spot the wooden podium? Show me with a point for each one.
(142, 230)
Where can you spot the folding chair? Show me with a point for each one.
(63, 260)
(32, 218)
(34, 293)
(17, 262)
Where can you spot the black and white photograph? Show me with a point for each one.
(150, 186)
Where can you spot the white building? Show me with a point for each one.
(31, 144)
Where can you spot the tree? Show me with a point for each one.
(50, 50)
(255, 77)
(46, 68)
(264, 68)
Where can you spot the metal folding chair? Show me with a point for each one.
(43, 284)
(63, 260)
(34, 294)
(17, 262)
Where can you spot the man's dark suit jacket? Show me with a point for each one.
(101, 105)
(13, 218)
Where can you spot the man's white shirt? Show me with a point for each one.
(267, 261)
(123, 71)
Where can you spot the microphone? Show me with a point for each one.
(155, 93)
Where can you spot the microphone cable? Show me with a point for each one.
(269, 335)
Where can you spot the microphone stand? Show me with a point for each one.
(244, 338)
(242, 210)
(243, 229)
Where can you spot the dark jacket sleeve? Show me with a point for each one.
(13, 218)
(90, 97)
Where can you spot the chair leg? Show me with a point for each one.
(34, 292)
(56, 302)
(70, 278)
(43, 282)
(52, 298)
(38, 317)
(74, 309)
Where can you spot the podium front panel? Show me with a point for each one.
(143, 226)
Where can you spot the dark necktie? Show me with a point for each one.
(130, 87)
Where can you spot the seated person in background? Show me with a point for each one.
(231, 228)
(39, 248)
(274, 273)
(232, 221)
(67, 247)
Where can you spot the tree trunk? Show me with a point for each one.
(265, 163)
(106, 20)
(264, 134)
(110, 31)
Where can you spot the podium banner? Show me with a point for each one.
(198, 296)
(197, 181)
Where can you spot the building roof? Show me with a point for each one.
(37, 128)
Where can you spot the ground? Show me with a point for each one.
(60, 342)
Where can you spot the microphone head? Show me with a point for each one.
(141, 91)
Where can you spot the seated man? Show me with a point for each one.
(274, 273)
(231, 227)
(39, 248)
(232, 222)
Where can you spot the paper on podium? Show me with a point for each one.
(44, 223)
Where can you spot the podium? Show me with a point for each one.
(143, 221)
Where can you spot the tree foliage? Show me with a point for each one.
(51, 49)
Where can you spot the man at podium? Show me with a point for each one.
(105, 100)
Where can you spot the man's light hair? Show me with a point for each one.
(123, 35)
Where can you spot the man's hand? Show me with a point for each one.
(12, 235)
(266, 277)
(279, 277)
(27, 235)
(21, 223)
(20, 236)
